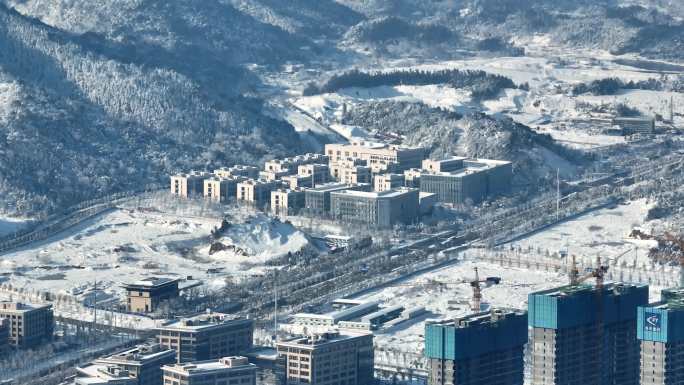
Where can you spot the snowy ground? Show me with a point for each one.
(453, 301)
(548, 105)
(603, 232)
(125, 245)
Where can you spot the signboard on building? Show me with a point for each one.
(652, 322)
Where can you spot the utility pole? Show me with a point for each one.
(557, 194)
(275, 307)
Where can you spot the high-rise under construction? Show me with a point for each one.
(585, 335)
(479, 349)
(660, 329)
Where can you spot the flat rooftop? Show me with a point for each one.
(202, 367)
(484, 318)
(153, 282)
(375, 194)
(97, 373)
(138, 354)
(21, 307)
(329, 187)
(203, 322)
(571, 290)
(322, 339)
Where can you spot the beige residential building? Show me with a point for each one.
(341, 357)
(316, 173)
(257, 192)
(385, 182)
(207, 336)
(142, 363)
(287, 202)
(290, 165)
(237, 171)
(412, 177)
(145, 295)
(351, 172)
(294, 182)
(341, 170)
(188, 185)
(221, 189)
(381, 157)
(273, 175)
(29, 325)
(234, 370)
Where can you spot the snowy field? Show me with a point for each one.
(127, 244)
(602, 232)
(548, 105)
(453, 300)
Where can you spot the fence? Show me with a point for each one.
(68, 218)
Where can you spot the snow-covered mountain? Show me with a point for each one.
(100, 96)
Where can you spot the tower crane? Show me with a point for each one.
(476, 300)
(477, 291)
(598, 273)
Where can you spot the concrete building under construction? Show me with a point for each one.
(660, 330)
(482, 348)
(582, 334)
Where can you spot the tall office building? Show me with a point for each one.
(332, 358)
(480, 349)
(207, 337)
(585, 334)
(660, 329)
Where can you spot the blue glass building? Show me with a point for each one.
(585, 335)
(660, 329)
(480, 349)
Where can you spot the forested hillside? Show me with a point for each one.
(75, 122)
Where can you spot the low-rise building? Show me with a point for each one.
(287, 202)
(224, 371)
(207, 337)
(635, 125)
(256, 192)
(95, 374)
(29, 325)
(317, 200)
(380, 157)
(145, 295)
(237, 171)
(412, 177)
(377, 209)
(294, 182)
(342, 357)
(351, 171)
(316, 173)
(479, 179)
(444, 165)
(143, 363)
(221, 189)
(289, 166)
(427, 202)
(271, 176)
(384, 182)
(188, 185)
